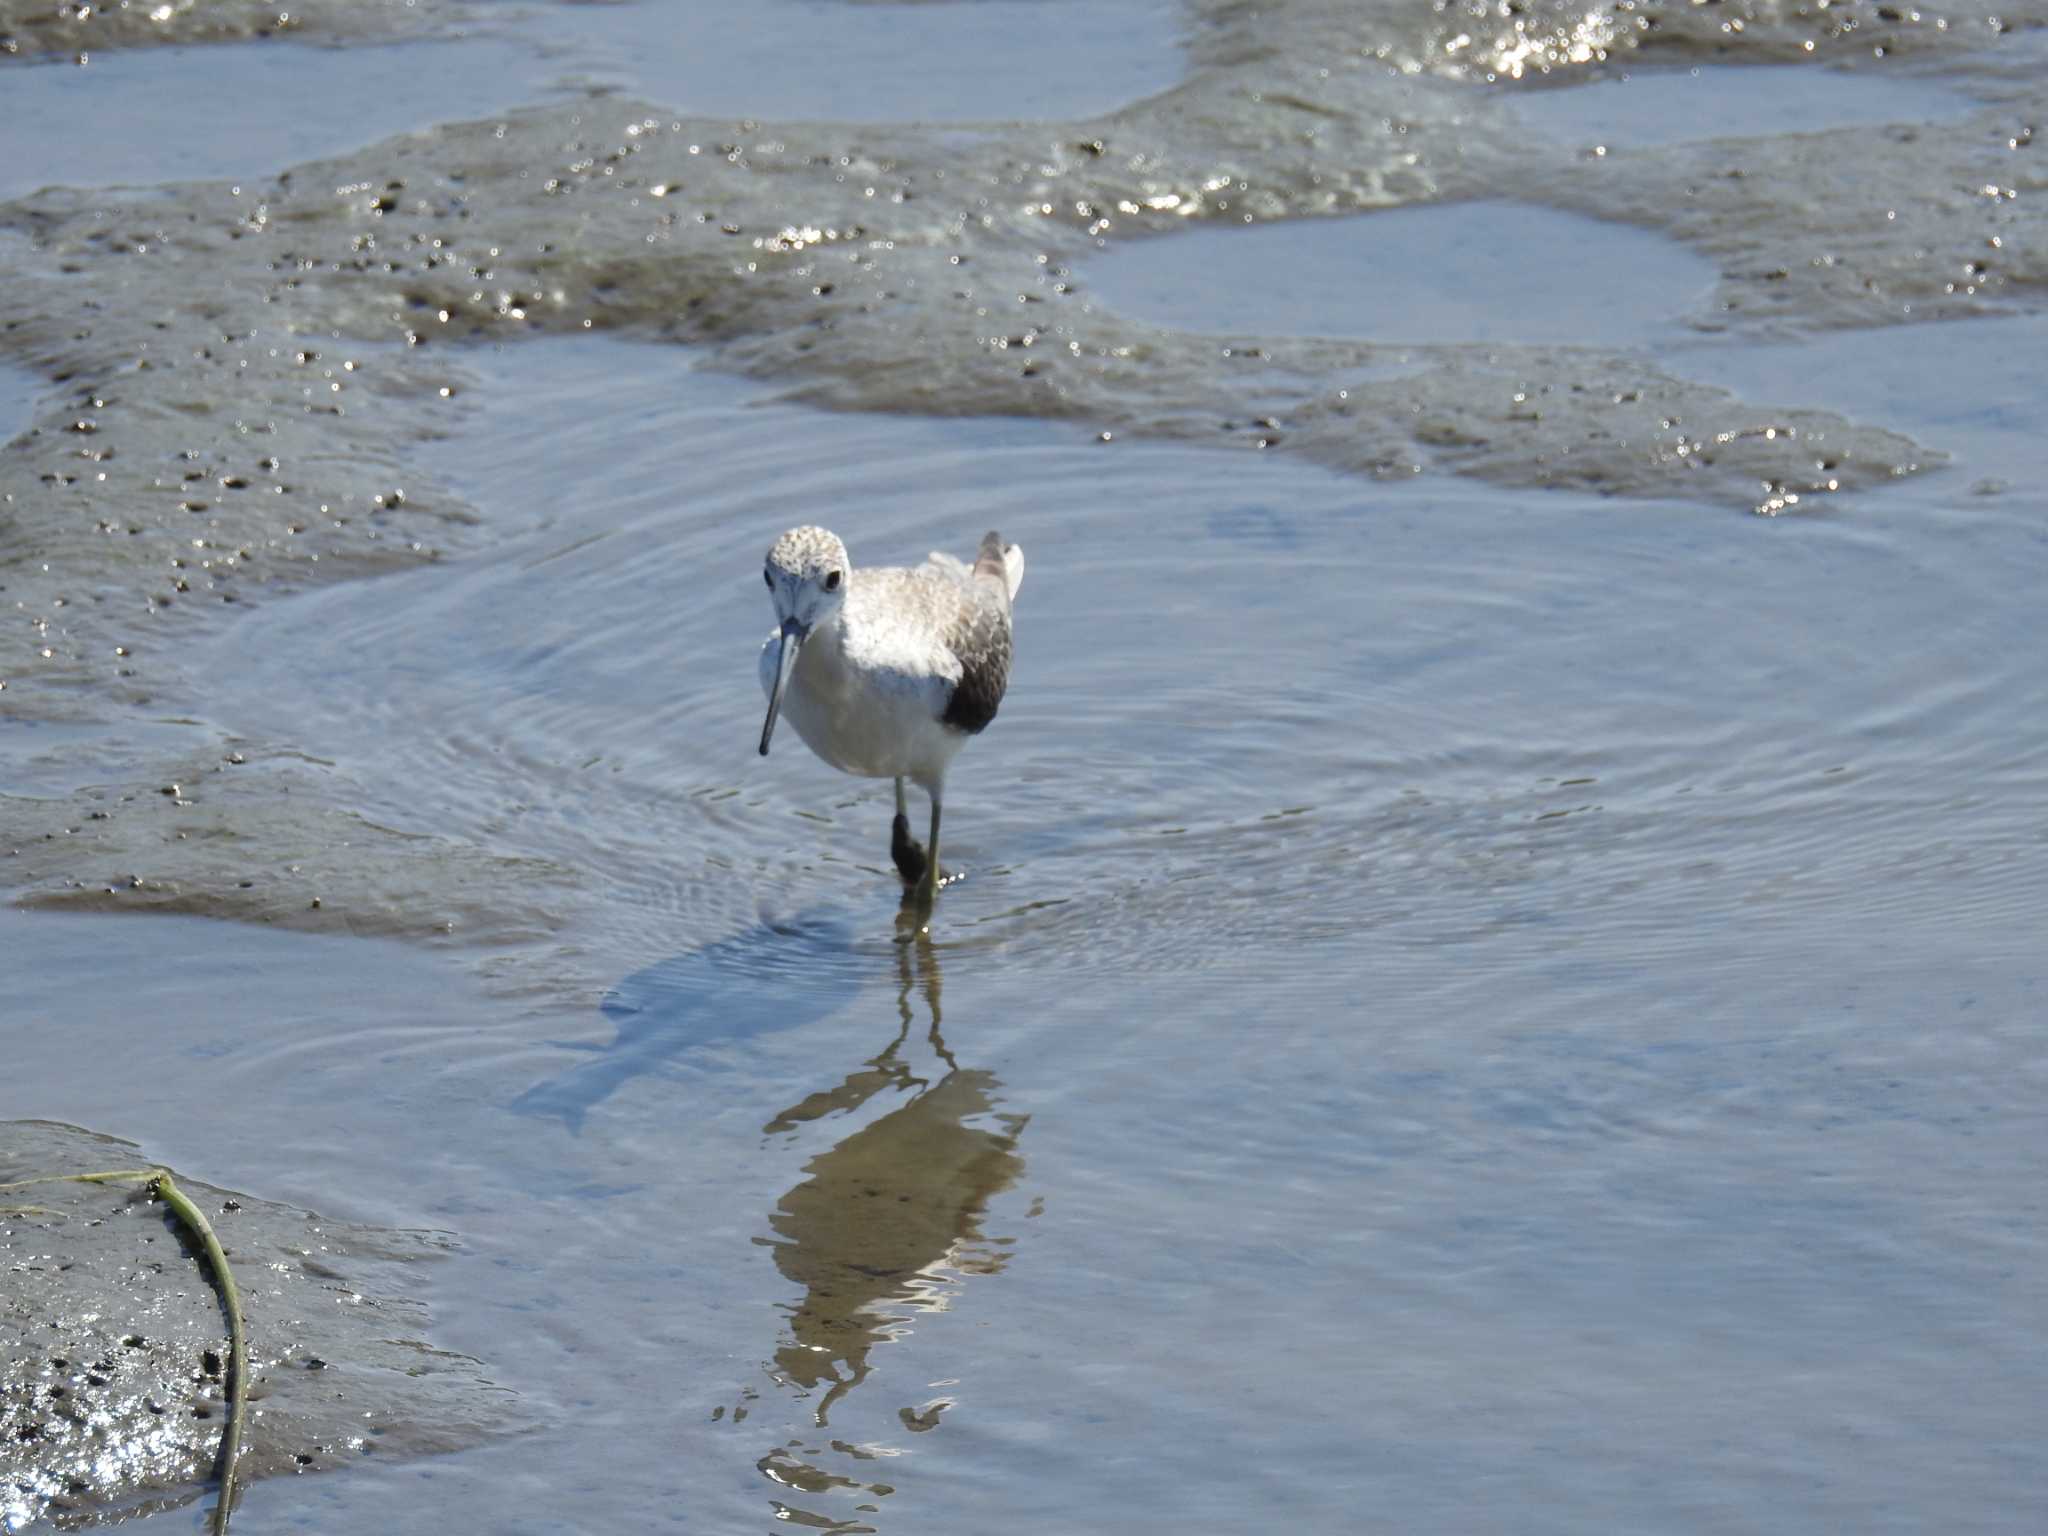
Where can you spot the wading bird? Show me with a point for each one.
(886, 673)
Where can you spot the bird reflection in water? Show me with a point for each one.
(885, 1226)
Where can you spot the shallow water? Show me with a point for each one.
(19, 390)
(136, 118)
(487, 700)
(1658, 1142)
(1676, 106)
(130, 118)
(1485, 271)
(1499, 1010)
(1637, 982)
(828, 61)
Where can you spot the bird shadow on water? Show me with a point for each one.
(884, 1228)
(776, 975)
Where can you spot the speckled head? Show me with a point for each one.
(807, 574)
(808, 555)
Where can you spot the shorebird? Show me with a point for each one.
(886, 673)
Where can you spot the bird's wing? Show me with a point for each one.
(978, 635)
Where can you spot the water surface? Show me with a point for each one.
(1596, 941)
(1481, 271)
(19, 390)
(213, 113)
(829, 61)
(1645, 107)
(273, 104)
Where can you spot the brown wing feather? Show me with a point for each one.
(981, 640)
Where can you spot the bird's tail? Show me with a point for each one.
(1003, 561)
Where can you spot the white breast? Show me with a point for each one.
(868, 701)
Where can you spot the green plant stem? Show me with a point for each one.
(165, 1189)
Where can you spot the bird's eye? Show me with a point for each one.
(832, 581)
(769, 578)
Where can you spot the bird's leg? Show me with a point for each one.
(929, 886)
(903, 847)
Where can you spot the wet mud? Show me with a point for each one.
(264, 837)
(36, 27)
(113, 1343)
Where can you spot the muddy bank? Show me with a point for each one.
(1468, 39)
(112, 1342)
(32, 27)
(261, 835)
(1534, 39)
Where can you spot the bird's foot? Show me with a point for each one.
(920, 897)
(907, 851)
(921, 881)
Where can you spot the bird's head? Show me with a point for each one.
(807, 574)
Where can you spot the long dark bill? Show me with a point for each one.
(785, 663)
